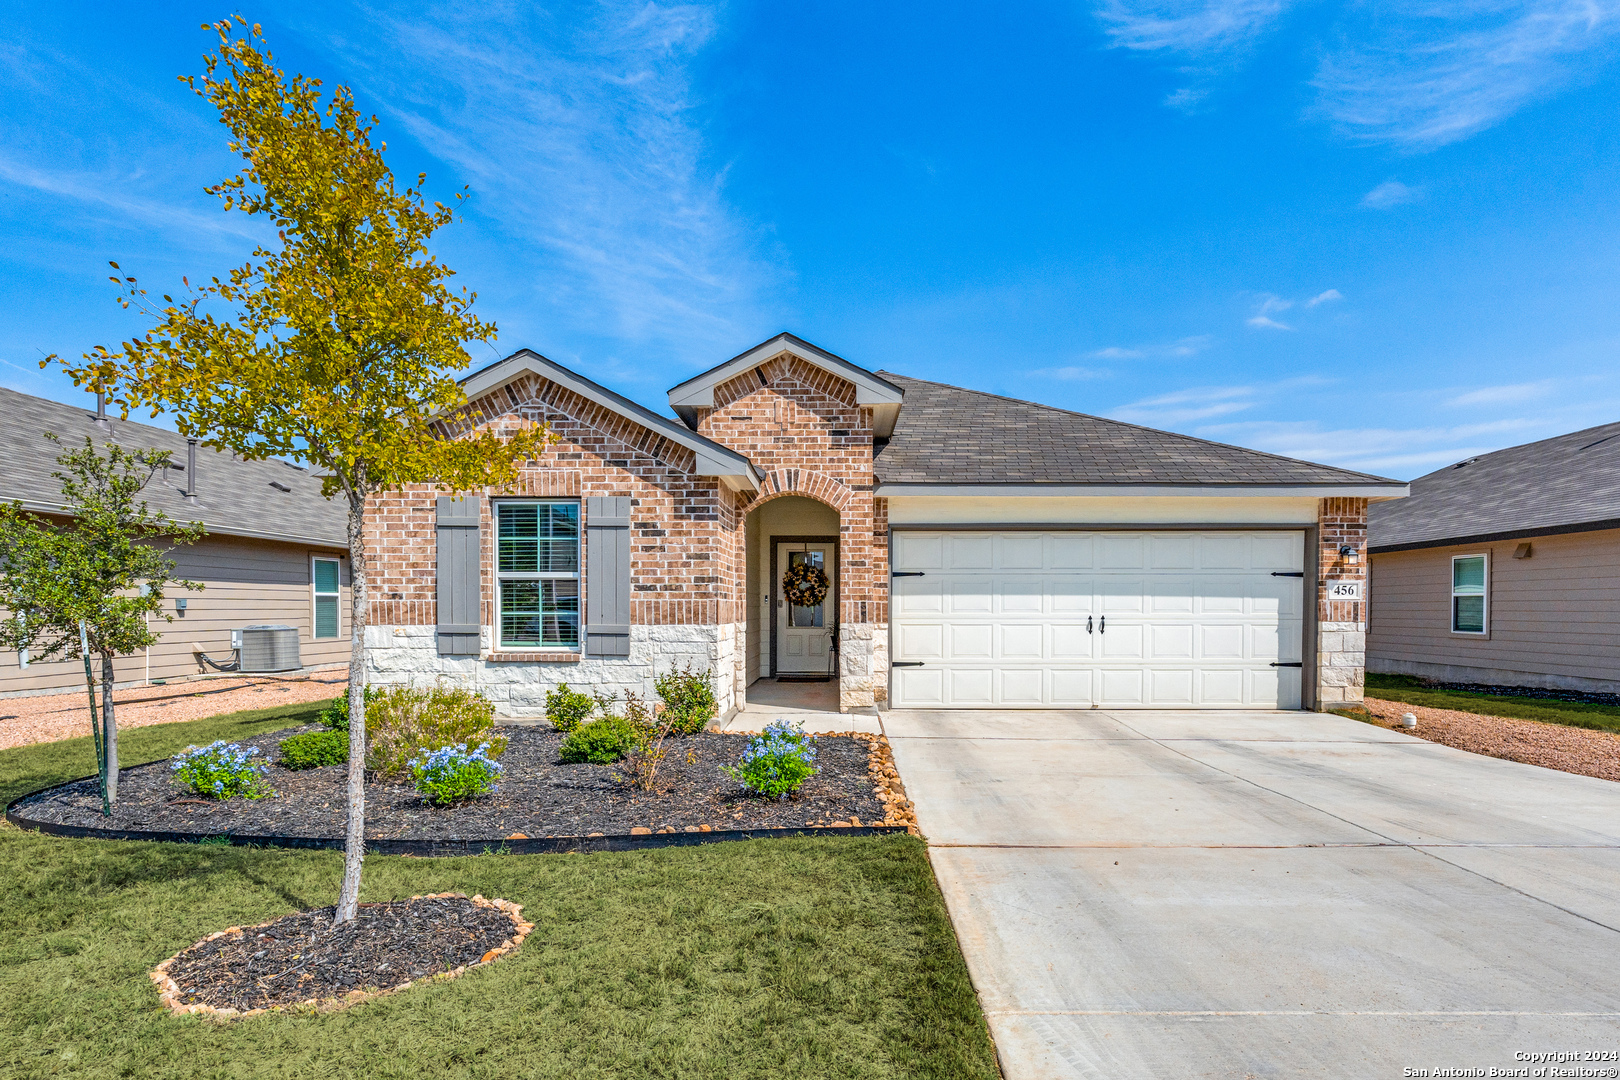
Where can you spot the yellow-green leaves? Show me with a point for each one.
(340, 344)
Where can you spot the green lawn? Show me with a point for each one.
(781, 958)
(1573, 713)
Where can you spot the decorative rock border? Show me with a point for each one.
(898, 809)
(169, 992)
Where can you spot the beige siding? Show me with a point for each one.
(245, 582)
(1554, 618)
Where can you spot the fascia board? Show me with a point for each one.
(712, 458)
(1376, 492)
(698, 392)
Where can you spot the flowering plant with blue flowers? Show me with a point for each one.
(222, 770)
(776, 762)
(452, 773)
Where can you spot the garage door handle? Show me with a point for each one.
(906, 573)
(1288, 573)
(1296, 663)
(1088, 624)
(1102, 625)
(905, 663)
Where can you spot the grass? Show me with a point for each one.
(782, 958)
(1549, 710)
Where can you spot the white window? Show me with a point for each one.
(1469, 603)
(537, 574)
(325, 577)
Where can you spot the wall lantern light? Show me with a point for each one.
(1349, 553)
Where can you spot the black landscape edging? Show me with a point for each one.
(434, 848)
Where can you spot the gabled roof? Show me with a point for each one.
(948, 436)
(880, 395)
(712, 458)
(1569, 483)
(266, 500)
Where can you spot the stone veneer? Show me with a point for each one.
(1341, 628)
(409, 655)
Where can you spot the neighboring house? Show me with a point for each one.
(982, 552)
(275, 553)
(1505, 569)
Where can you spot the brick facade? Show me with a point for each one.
(801, 425)
(1341, 647)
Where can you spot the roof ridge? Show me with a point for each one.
(1578, 433)
(1143, 427)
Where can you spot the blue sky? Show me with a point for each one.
(1379, 235)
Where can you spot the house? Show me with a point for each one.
(276, 552)
(1505, 569)
(978, 551)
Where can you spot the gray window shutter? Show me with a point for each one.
(607, 576)
(458, 575)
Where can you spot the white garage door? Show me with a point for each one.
(1171, 620)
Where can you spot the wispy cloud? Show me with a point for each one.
(1426, 74)
(584, 140)
(1181, 347)
(1187, 26)
(1415, 73)
(1324, 297)
(1070, 374)
(1390, 193)
(1267, 307)
(1505, 395)
(1192, 404)
(1401, 451)
(109, 190)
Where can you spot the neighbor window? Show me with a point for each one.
(537, 571)
(1468, 594)
(325, 575)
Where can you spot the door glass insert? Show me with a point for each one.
(806, 616)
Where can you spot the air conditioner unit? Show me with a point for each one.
(270, 648)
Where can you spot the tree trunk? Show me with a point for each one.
(95, 718)
(109, 728)
(354, 839)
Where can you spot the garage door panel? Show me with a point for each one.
(1193, 619)
(974, 552)
(1023, 642)
(1072, 686)
(1022, 687)
(969, 641)
(1173, 641)
(970, 686)
(1171, 688)
(1070, 641)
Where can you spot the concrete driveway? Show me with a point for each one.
(1147, 894)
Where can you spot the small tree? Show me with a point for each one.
(339, 347)
(91, 587)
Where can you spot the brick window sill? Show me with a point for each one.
(533, 657)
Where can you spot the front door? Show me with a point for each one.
(804, 634)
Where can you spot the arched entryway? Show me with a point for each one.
(791, 654)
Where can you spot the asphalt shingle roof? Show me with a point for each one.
(1557, 484)
(233, 497)
(948, 435)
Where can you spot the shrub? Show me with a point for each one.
(222, 770)
(567, 709)
(452, 773)
(776, 762)
(688, 699)
(646, 750)
(404, 722)
(599, 741)
(314, 749)
(335, 717)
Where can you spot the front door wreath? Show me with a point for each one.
(804, 585)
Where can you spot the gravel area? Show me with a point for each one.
(1552, 746)
(49, 717)
(538, 796)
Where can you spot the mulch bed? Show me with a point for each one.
(1533, 742)
(539, 796)
(303, 959)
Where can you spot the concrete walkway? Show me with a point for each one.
(1154, 894)
(813, 706)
